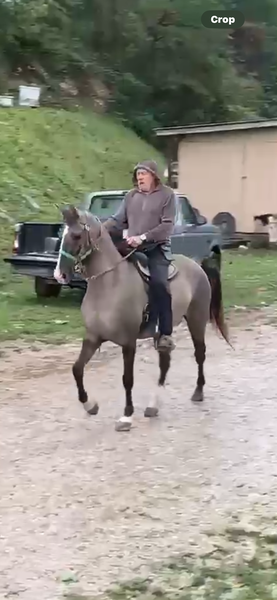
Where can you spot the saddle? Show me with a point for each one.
(140, 260)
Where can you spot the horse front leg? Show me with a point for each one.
(152, 409)
(89, 348)
(125, 422)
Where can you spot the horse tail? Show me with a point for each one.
(216, 304)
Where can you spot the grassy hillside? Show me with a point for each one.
(52, 156)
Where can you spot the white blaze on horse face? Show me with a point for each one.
(57, 273)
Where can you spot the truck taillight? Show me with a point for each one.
(17, 228)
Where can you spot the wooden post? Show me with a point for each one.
(172, 156)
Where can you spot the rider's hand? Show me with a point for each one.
(134, 241)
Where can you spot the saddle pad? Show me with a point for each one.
(172, 271)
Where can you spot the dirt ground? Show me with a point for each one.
(81, 502)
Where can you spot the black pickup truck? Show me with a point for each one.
(36, 245)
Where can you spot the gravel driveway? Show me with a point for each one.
(77, 496)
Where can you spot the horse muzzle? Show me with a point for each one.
(60, 277)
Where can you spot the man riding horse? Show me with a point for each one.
(115, 297)
(147, 212)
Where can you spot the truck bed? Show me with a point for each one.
(32, 236)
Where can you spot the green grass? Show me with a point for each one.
(49, 157)
(237, 567)
(54, 156)
(23, 316)
(249, 280)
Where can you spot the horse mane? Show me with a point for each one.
(112, 240)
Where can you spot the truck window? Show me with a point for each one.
(178, 212)
(187, 212)
(105, 206)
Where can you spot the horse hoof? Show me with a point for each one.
(151, 412)
(91, 409)
(197, 396)
(123, 424)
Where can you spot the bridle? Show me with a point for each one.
(93, 246)
(81, 256)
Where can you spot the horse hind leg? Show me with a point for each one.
(125, 422)
(152, 409)
(197, 328)
(88, 350)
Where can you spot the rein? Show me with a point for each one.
(112, 268)
(80, 258)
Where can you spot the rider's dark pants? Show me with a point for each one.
(159, 291)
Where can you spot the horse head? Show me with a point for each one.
(79, 241)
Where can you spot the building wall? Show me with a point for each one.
(230, 171)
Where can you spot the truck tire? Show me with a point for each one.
(44, 289)
(226, 222)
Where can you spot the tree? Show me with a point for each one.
(159, 64)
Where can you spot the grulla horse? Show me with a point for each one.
(113, 307)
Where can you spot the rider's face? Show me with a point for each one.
(145, 180)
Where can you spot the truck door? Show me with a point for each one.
(191, 238)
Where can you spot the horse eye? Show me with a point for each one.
(76, 236)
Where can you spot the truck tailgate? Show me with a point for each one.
(34, 264)
(38, 265)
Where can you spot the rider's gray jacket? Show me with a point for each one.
(152, 214)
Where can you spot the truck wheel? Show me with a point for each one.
(44, 289)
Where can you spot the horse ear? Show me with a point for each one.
(70, 214)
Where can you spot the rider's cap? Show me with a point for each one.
(147, 165)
